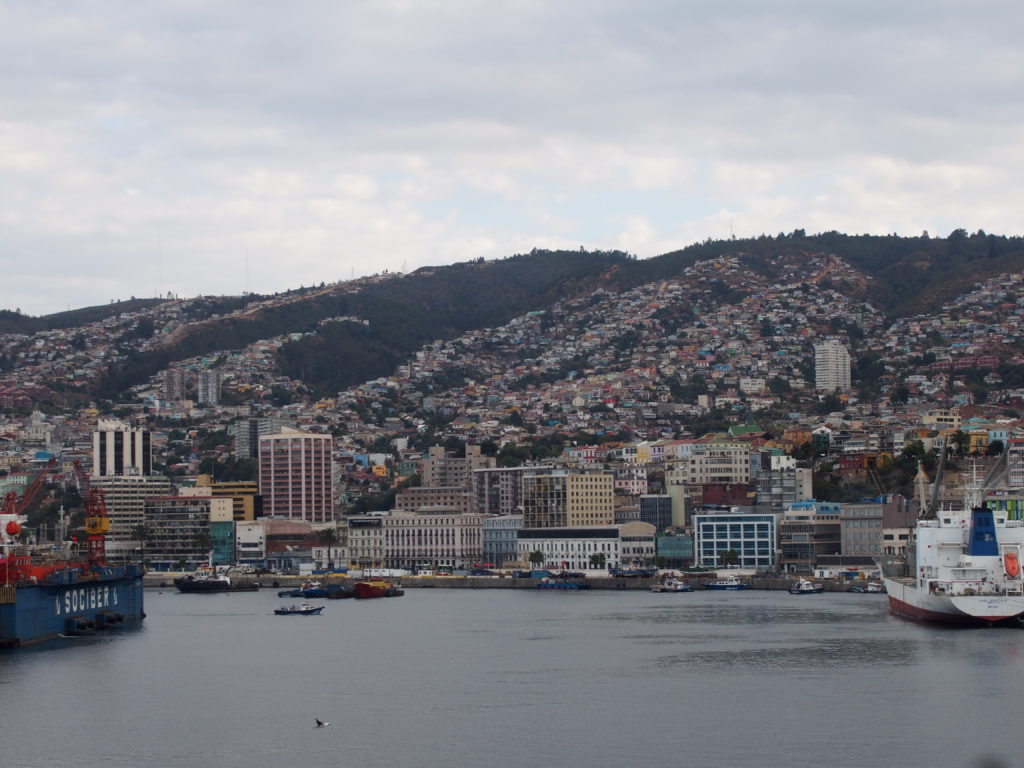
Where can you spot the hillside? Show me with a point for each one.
(351, 332)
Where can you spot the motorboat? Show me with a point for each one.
(672, 585)
(304, 609)
(806, 587)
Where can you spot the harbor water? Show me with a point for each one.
(477, 678)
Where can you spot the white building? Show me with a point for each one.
(831, 366)
(750, 536)
(571, 548)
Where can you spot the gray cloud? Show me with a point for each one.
(164, 146)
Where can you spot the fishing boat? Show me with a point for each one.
(672, 585)
(731, 583)
(305, 609)
(806, 587)
(961, 567)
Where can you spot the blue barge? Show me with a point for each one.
(70, 601)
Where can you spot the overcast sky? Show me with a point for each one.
(224, 147)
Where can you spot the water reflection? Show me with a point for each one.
(826, 653)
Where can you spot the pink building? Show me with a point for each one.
(295, 476)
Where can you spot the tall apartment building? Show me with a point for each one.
(208, 387)
(295, 476)
(444, 471)
(119, 449)
(831, 366)
(126, 496)
(560, 499)
(498, 490)
(173, 384)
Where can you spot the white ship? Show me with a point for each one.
(964, 567)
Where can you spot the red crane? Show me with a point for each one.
(18, 506)
(97, 522)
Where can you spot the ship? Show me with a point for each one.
(210, 582)
(59, 590)
(961, 566)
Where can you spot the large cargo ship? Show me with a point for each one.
(48, 591)
(962, 567)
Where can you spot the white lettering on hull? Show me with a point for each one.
(85, 599)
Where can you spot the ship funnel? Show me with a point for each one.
(983, 533)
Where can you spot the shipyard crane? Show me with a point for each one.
(97, 521)
(15, 506)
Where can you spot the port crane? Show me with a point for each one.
(97, 521)
(16, 506)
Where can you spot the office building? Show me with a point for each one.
(119, 449)
(295, 476)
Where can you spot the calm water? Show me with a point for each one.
(469, 679)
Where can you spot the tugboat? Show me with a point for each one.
(211, 581)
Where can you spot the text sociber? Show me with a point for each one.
(86, 599)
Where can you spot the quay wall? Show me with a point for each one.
(166, 581)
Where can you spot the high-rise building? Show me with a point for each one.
(560, 499)
(295, 476)
(173, 381)
(119, 449)
(208, 387)
(831, 366)
(125, 497)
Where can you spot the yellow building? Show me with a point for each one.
(242, 493)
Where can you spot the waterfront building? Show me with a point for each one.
(860, 531)
(500, 534)
(186, 531)
(120, 449)
(441, 537)
(560, 498)
(295, 476)
(125, 497)
(831, 366)
(750, 535)
(244, 495)
(366, 541)
(571, 548)
(808, 531)
(250, 543)
(674, 549)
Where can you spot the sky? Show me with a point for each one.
(191, 148)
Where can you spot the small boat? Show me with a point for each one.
(672, 585)
(731, 583)
(305, 609)
(805, 587)
(297, 592)
(871, 587)
(212, 583)
(313, 589)
(377, 588)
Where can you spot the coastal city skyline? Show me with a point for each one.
(186, 150)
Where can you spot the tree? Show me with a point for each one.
(329, 537)
(203, 541)
(142, 533)
(728, 557)
(536, 557)
(598, 560)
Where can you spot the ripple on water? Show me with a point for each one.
(824, 653)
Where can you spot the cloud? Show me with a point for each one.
(252, 146)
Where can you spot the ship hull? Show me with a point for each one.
(31, 614)
(908, 601)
